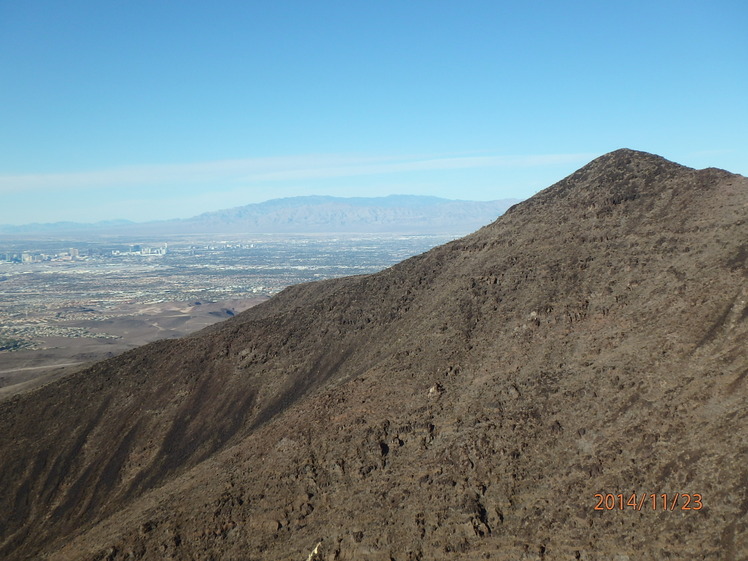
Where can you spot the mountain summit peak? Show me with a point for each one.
(631, 163)
(625, 156)
(618, 177)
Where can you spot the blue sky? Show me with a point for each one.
(160, 109)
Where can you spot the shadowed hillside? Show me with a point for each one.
(467, 403)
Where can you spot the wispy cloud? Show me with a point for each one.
(252, 171)
(407, 165)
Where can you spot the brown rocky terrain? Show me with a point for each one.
(465, 404)
(128, 326)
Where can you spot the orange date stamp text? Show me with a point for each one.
(649, 501)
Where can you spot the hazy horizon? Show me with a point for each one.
(147, 111)
(125, 220)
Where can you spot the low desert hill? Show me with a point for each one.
(468, 403)
(126, 326)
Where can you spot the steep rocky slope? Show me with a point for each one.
(467, 403)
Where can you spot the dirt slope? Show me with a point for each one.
(467, 403)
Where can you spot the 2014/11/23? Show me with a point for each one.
(609, 501)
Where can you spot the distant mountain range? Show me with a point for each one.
(311, 214)
(54, 227)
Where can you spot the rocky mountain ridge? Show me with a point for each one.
(468, 403)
